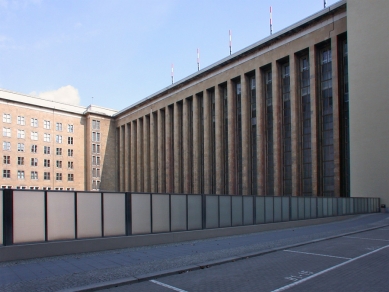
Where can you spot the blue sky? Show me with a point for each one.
(120, 51)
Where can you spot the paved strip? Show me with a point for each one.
(317, 254)
(366, 238)
(327, 270)
(167, 286)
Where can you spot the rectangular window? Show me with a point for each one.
(6, 118)
(93, 160)
(46, 150)
(46, 162)
(20, 160)
(269, 133)
(70, 177)
(58, 126)
(34, 135)
(58, 138)
(98, 149)
(70, 128)
(70, 164)
(20, 174)
(70, 152)
(20, 121)
(98, 172)
(93, 148)
(58, 176)
(58, 151)
(93, 136)
(34, 161)
(93, 172)
(46, 124)
(6, 159)
(95, 125)
(97, 160)
(59, 163)
(46, 137)
(46, 176)
(70, 140)
(7, 146)
(34, 148)
(305, 100)
(34, 122)
(6, 132)
(21, 134)
(6, 173)
(20, 147)
(286, 131)
(97, 137)
(327, 124)
(34, 175)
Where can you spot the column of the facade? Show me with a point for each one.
(121, 158)
(336, 114)
(133, 159)
(169, 149)
(161, 152)
(177, 148)
(232, 169)
(261, 136)
(277, 125)
(146, 154)
(196, 146)
(207, 143)
(153, 158)
(186, 155)
(127, 157)
(139, 154)
(246, 119)
(314, 120)
(295, 126)
(219, 141)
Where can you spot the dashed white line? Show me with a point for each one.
(167, 286)
(327, 270)
(366, 238)
(317, 254)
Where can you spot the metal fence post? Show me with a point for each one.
(7, 217)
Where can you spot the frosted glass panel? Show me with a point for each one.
(313, 208)
(194, 212)
(114, 214)
(319, 207)
(237, 210)
(28, 216)
(334, 206)
(1, 217)
(285, 208)
(325, 207)
(178, 212)
(277, 209)
(248, 210)
(307, 208)
(260, 209)
(269, 209)
(160, 213)
(211, 212)
(140, 213)
(60, 216)
(294, 208)
(301, 208)
(225, 211)
(89, 215)
(329, 202)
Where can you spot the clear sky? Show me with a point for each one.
(121, 51)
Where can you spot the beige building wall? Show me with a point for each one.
(368, 37)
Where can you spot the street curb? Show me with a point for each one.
(149, 276)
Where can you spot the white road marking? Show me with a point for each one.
(366, 238)
(167, 286)
(327, 270)
(318, 254)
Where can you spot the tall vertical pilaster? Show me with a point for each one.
(169, 149)
(161, 152)
(246, 152)
(219, 141)
(314, 120)
(121, 158)
(277, 124)
(207, 143)
(196, 145)
(185, 142)
(177, 148)
(127, 157)
(232, 167)
(134, 132)
(146, 154)
(261, 136)
(153, 158)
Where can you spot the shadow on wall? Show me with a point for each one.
(108, 170)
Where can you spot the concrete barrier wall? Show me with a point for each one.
(42, 216)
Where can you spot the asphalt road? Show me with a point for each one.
(359, 262)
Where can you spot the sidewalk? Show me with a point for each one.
(72, 271)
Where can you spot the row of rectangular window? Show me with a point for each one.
(34, 123)
(34, 136)
(34, 175)
(34, 162)
(34, 149)
(36, 188)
